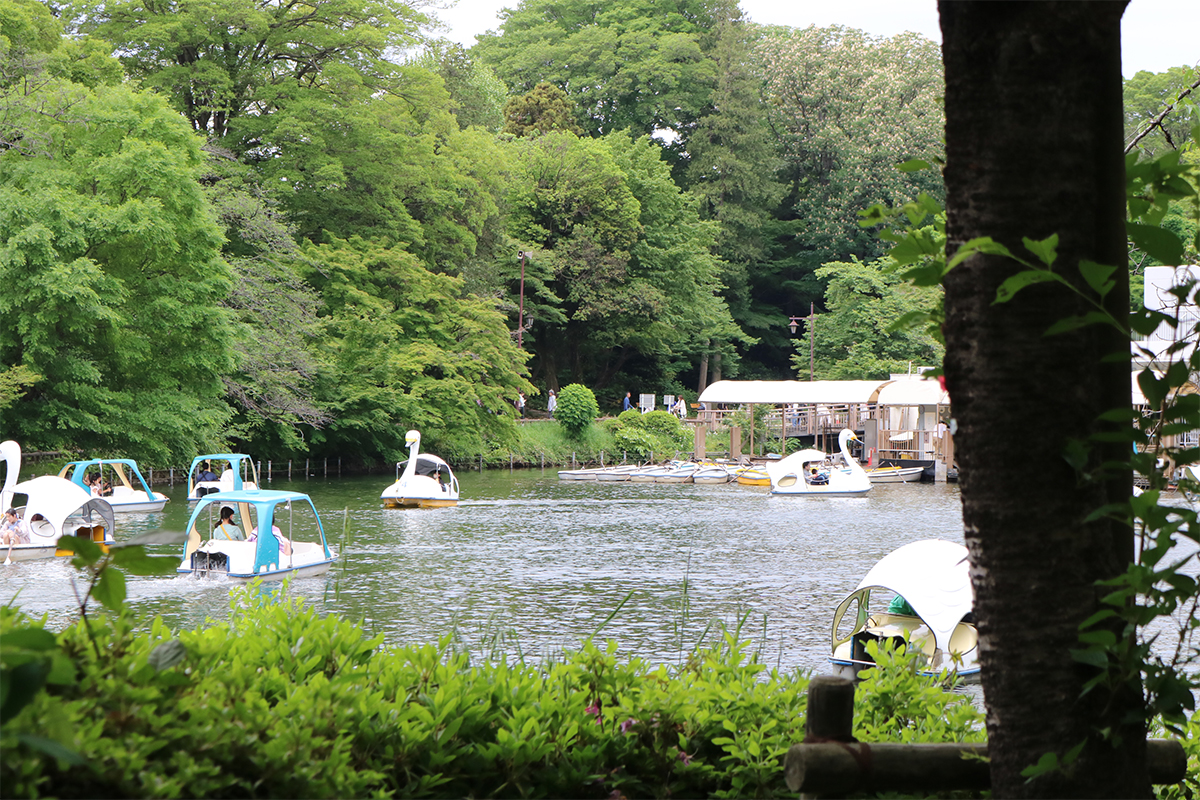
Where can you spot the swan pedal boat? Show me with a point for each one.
(240, 467)
(125, 496)
(931, 575)
(427, 481)
(895, 474)
(267, 557)
(792, 475)
(65, 510)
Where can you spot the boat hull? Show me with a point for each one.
(419, 502)
(895, 474)
(305, 571)
(849, 669)
(149, 505)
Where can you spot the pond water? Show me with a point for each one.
(527, 563)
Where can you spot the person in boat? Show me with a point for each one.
(13, 529)
(551, 403)
(226, 528)
(206, 473)
(816, 477)
(285, 547)
(899, 605)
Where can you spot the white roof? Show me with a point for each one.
(786, 392)
(932, 576)
(57, 498)
(914, 392)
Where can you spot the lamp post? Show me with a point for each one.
(811, 319)
(521, 307)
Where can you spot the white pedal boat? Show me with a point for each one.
(130, 492)
(426, 482)
(809, 472)
(931, 576)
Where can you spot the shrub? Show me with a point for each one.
(577, 409)
(659, 434)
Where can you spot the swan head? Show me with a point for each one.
(412, 438)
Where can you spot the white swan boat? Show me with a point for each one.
(125, 496)
(427, 481)
(54, 508)
(244, 549)
(237, 473)
(930, 579)
(808, 472)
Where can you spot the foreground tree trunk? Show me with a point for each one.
(1033, 143)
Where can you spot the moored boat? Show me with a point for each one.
(931, 608)
(616, 474)
(677, 473)
(753, 476)
(128, 491)
(895, 474)
(426, 482)
(246, 534)
(711, 474)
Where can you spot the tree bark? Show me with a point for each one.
(1033, 143)
(702, 384)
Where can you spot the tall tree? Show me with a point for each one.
(1034, 149)
(223, 60)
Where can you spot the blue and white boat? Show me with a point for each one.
(272, 535)
(129, 490)
(234, 472)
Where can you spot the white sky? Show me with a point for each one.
(1155, 34)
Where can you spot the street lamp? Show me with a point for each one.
(521, 309)
(811, 320)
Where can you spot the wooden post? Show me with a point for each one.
(601, 458)
(735, 442)
(339, 466)
(572, 460)
(268, 470)
(306, 469)
(327, 466)
(171, 476)
(151, 481)
(699, 432)
(289, 469)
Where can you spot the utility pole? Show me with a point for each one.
(811, 321)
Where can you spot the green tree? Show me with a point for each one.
(1147, 95)
(855, 339)
(406, 350)
(846, 108)
(637, 64)
(476, 93)
(111, 276)
(542, 109)
(577, 409)
(226, 60)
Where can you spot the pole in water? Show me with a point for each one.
(339, 466)
(572, 461)
(151, 476)
(306, 469)
(268, 470)
(289, 469)
(510, 462)
(327, 467)
(602, 458)
(171, 476)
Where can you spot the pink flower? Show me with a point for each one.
(685, 758)
(627, 724)
(593, 709)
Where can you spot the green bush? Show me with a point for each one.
(657, 434)
(282, 702)
(577, 409)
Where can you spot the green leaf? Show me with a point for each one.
(1159, 243)
(52, 749)
(1069, 324)
(1097, 276)
(110, 589)
(1046, 250)
(167, 655)
(29, 639)
(138, 562)
(86, 551)
(1008, 290)
(1047, 763)
(913, 165)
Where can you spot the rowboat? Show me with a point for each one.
(680, 473)
(895, 474)
(753, 476)
(711, 474)
(272, 535)
(617, 474)
(931, 607)
(648, 474)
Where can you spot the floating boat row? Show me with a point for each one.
(673, 472)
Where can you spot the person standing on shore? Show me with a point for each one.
(628, 405)
(551, 403)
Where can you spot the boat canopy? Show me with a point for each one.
(56, 499)
(788, 392)
(793, 464)
(932, 575)
(428, 465)
(264, 502)
(914, 392)
(78, 468)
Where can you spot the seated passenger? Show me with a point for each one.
(13, 529)
(817, 478)
(226, 529)
(285, 547)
